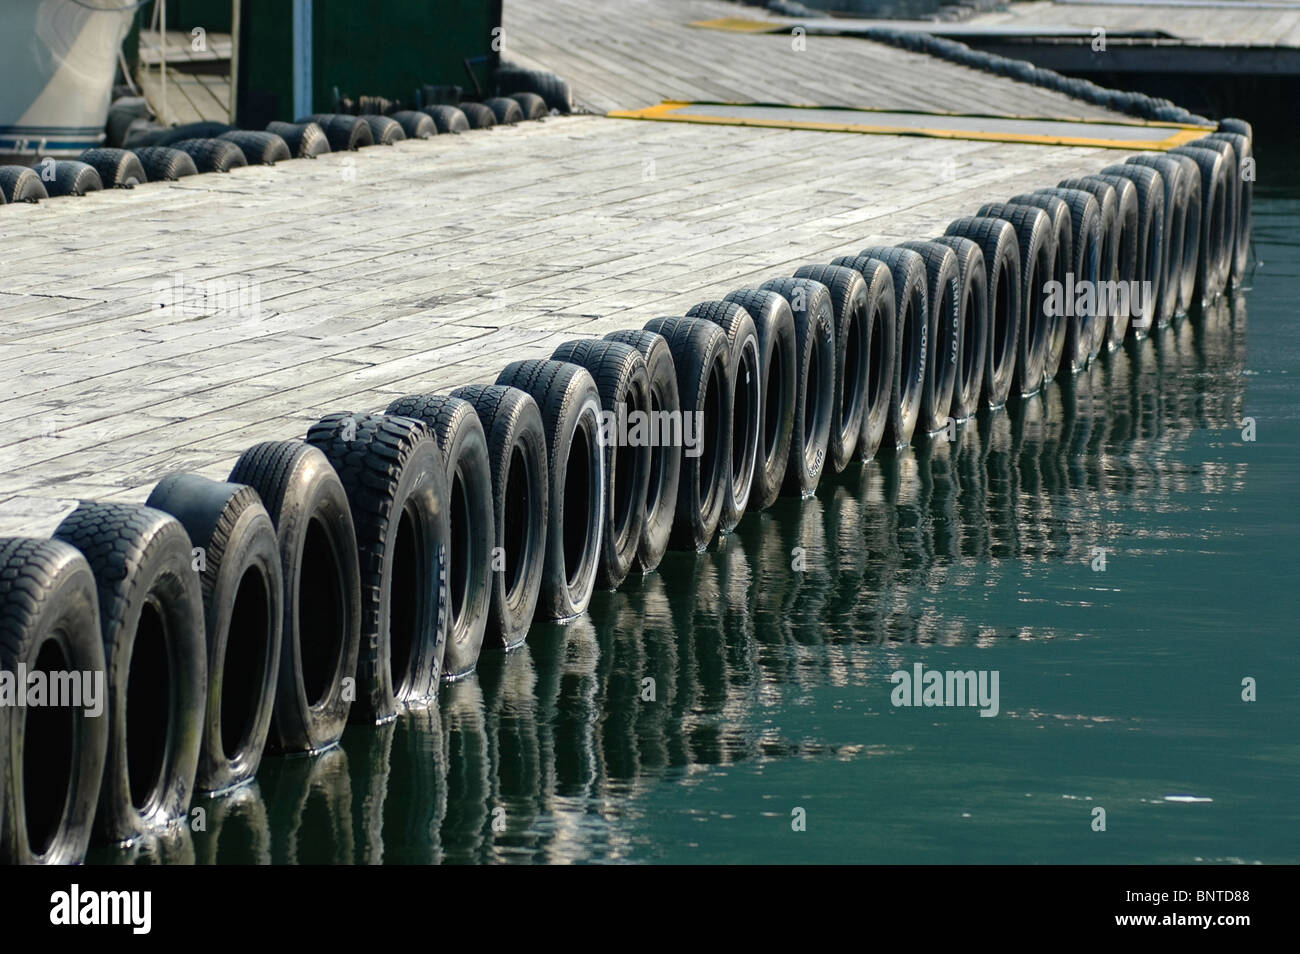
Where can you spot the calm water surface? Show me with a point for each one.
(1119, 689)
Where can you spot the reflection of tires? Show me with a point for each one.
(456, 425)
(1153, 243)
(569, 402)
(51, 757)
(151, 620)
(243, 595)
(973, 336)
(814, 371)
(746, 402)
(702, 360)
(943, 288)
(624, 384)
(774, 326)
(391, 469)
(322, 591)
(665, 459)
(516, 444)
(999, 244)
(852, 356)
(1117, 199)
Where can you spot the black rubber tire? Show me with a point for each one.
(471, 520)
(1238, 126)
(213, 155)
(305, 140)
(1054, 329)
(204, 129)
(345, 133)
(746, 403)
(73, 178)
(165, 164)
(243, 611)
(702, 361)
(516, 443)
(1214, 254)
(391, 469)
(814, 373)
(1000, 246)
(569, 402)
(1177, 195)
(51, 759)
(623, 381)
(1231, 175)
(415, 124)
(322, 591)
(1036, 239)
(532, 105)
(665, 460)
(151, 620)
(554, 90)
(384, 130)
(1189, 185)
(973, 334)
(1087, 235)
(478, 115)
(117, 168)
(1153, 231)
(1070, 341)
(777, 350)
(447, 119)
(21, 184)
(848, 294)
(1117, 200)
(882, 326)
(943, 289)
(1245, 201)
(506, 110)
(259, 148)
(911, 339)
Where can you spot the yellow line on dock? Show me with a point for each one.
(1174, 134)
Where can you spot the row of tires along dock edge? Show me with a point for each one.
(344, 577)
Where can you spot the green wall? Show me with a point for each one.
(361, 47)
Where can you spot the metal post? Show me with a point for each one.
(234, 58)
(302, 57)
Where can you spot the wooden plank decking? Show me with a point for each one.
(431, 264)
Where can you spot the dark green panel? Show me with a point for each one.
(362, 48)
(390, 49)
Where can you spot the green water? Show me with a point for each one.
(1117, 688)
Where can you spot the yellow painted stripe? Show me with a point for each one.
(1178, 134)
(740, 25)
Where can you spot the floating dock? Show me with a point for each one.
(430, 264)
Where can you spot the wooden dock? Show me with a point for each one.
(1237, 37)
(168, 328)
